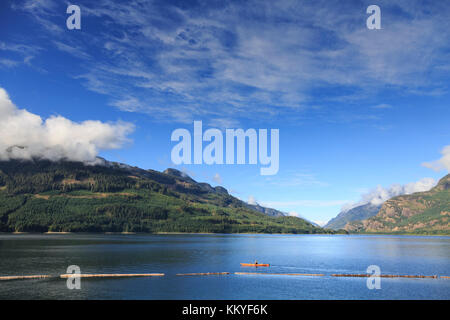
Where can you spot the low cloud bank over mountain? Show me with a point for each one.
(441, 164)
(24, 135)
(380, 194)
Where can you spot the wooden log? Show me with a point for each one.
(383, 276)
(41, 276)
(203, 274)
(281, 274)
(111, 275)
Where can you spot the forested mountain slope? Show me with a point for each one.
(43, 196)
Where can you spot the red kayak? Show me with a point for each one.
(255, 265)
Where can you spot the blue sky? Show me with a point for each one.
(356, 108)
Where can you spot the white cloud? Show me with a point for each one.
(217, 178)
(294, 214)
(9, 63)
(380, 194)
(41, 10)
(252, 200)
(320, 222)
(382, 106)
(19, 48)
(442, 163)
(24, 135)
(73, 50)
(251, 58)
(18, 54)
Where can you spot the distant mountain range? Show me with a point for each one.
(275, 213)
(361, 212)
(419, 213)
(64, 196)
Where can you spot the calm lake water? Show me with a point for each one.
(171, 254)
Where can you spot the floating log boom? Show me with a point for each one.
(281, 274)
(384, 276)
(203, 274)
(112, 275)
(41, 276)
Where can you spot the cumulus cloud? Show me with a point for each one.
(380, 194)
(24, 135)
(442, 163)
(252, 200)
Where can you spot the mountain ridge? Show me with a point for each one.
(360, 212)
(420, 213)
(64, 196)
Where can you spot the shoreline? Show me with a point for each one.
(211, 233)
